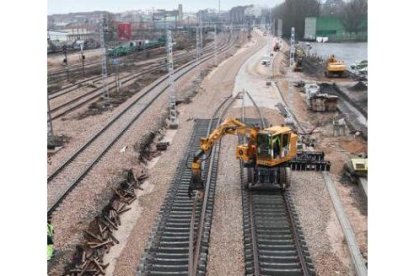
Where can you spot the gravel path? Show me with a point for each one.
(322, 231)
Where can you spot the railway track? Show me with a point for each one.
(76, 70)
(95, 68)
(65, 177)
(178, 245)
(79, 101)
(273, 241)
(170, 250)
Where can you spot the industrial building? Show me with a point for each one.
(333, 28)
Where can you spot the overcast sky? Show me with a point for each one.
(66, 6)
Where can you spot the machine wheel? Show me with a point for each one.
(288, 177)
(285, 177)
(282, 178)
(247, 177)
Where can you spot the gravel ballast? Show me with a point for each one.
(89, 197)
(202, 106)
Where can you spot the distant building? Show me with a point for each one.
(237, 14)
(57, 36)
(180, 12)
(190, 19)
(253, 11)
(163, 18)
(70, 35)
(331, 27)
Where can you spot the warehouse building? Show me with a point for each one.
(332, 28)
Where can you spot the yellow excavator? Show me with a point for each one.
(335, 67)
(265, 155)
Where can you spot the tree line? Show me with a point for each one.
(293, 13)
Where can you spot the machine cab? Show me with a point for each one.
(275, 146)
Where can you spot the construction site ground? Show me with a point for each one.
(243, 70)
(337, 149)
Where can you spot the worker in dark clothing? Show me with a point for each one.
(50, 233)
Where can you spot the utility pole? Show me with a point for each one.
(200, 27)
(279, 28)
(198, 45)
(104, 65)
(166, 29)
(50, 135)
(215, 45)
(115, 62)
(219, 9)
(173, 120)
(292, 46)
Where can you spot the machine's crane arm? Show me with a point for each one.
(229, 126)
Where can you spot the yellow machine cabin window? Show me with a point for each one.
(276, 146)
(263, 145)
(285, 140)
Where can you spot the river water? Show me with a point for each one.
(348, 52)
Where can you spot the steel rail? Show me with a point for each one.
(179, 73)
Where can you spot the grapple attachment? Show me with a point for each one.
(196, 183)
(310, 161)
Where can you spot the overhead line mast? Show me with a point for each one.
(104, 27)
(173, 120)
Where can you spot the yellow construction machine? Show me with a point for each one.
(269, 155)
(356, 167)
(335, 67)
(265, 155)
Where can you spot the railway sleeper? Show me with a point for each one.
(273, 228)
(280, 247)
(281, 272)
(173, 250)
(175, 261)
(169, 270)
(275, 241)
(282, 264)
(174, 238)
(278, 253)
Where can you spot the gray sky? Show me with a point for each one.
(66, 6)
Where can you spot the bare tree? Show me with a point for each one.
(354, 14)
(333, 8)
(293, 14)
